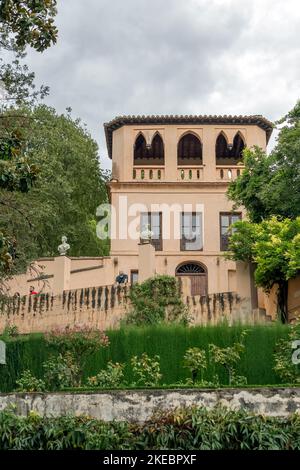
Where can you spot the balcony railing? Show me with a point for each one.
(189, 173)
(149, 173)
(228, 173)
(185, 173)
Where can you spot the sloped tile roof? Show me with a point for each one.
(120, 121)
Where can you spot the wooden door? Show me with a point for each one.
(198, 284)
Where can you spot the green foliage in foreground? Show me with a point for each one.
(169, 342)
(181, 429)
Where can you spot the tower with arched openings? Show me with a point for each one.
(183, 163)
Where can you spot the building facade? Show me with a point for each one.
(170, 175)
(177, 168)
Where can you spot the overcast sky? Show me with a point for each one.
(172, 57)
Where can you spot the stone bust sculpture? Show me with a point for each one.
(146, 234)
(64, 247)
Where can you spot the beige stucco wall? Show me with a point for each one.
(206, 189)
(104, 307)
(124, 138)
(212, 200)
(81, 273)
(209, 190)
(268, 301)
(294, 298)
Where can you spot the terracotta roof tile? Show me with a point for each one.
(120, 121)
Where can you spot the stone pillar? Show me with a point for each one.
(146, 262)
(209, 153)
(243, 283)
(62, 274)
(245, 286)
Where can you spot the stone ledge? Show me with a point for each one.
(139, 405)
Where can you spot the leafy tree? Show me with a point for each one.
(31, 21)
(24, 23)
(274, 247)
(17, 175)
(270, 184)
(69, 186)
(77, 344)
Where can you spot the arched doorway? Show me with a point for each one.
(197, 273)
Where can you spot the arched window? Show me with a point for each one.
(157, 148)
(190, 268)
(149, 155)
(229, 154)
(140, 148)
(189, 150)
(197, 273)
(238, 147)
(222, 150)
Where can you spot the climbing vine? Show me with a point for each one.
(157, 300)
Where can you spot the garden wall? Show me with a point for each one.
(138, 406)
(104, 308)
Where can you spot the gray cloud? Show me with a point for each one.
(172, 56)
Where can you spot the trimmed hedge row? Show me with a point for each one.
(169, 342)
(182, 429)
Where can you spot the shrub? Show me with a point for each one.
(170, 342)
(180, 429)
(79, 341)
(155, 301)
(284, 366)
(228, 358)
(61, 372)
(10, 331)
(219, 429)
(195, 360)
(28, 383)
(146, 370)
(112, 376)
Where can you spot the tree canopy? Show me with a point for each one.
(30, 21)
(23, 23)
(68, 188)
(273, 246)
(270, 184)
(269, 188)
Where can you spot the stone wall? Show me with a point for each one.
(139, 405)
(98, 307)
(224, 307)
(104, 307)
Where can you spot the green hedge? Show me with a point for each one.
(182, 429)
(169, 342)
